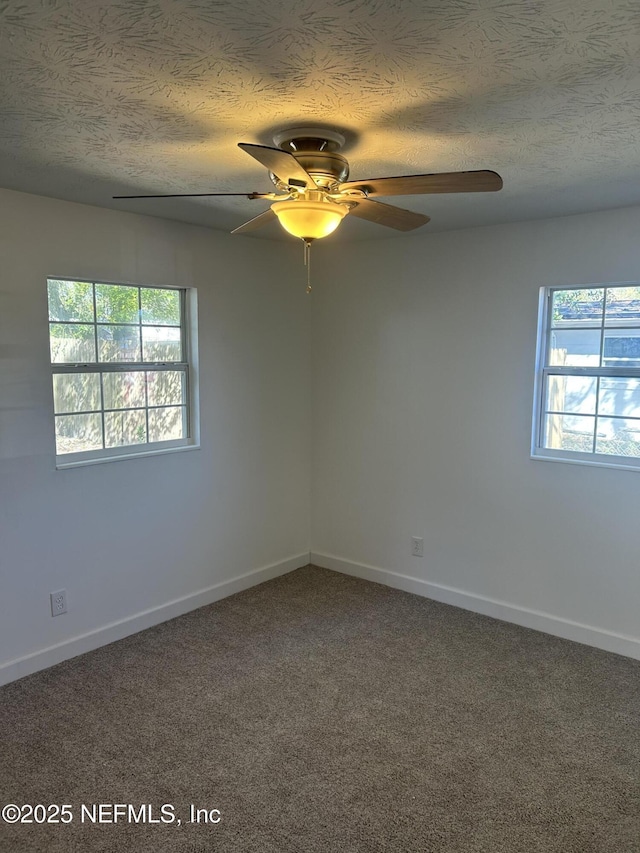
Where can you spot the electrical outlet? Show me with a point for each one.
(58, 602)
(417, 546)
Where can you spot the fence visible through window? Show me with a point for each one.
(588, 382)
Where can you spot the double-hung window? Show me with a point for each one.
(587, 398)
(121, 359)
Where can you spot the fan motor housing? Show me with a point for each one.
(325, 167)
(317, 152)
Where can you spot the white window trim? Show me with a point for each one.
(116, 454)
(571, 457)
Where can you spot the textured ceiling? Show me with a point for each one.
(101, 97)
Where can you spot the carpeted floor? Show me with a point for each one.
(319, 712)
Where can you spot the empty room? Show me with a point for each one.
(319, 426)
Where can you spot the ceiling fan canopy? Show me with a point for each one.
(312, 194)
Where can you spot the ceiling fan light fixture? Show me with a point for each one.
(309, 220)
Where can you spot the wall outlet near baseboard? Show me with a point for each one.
(417, 546)
(58, 602)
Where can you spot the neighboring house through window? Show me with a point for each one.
(587, 398)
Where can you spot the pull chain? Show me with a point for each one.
(307, 262)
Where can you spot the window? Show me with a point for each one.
(120, 356)
(587, 400)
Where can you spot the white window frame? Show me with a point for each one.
(189, 365)
(547, 454)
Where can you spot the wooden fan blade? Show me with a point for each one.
(447, 182)
(388, 214)
(195, 195)
(281, 163)
(257, 222)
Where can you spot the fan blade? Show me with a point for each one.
(257, 222)
(447, 182)
(281, 163)
(388, 214)
(196, 195)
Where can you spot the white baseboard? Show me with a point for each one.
(148, 618)
(618, 643)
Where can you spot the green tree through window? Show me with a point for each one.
(120, 369)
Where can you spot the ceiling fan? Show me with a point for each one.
(313, 194)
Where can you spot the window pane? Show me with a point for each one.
(119, 343)
(76, 392)
(623, 306)
(123, 428)
(72, 344)
(166, 387)
(569, 432)
(78, 432)
(574, 347)
(621, 348)
(618, 436)
(123, 390)
(116, 303)
(572, 394)
(160, 307)
(577, 307)
(619, 397)
(70, 300)
(122, 330)
(167, 424)
(161, 343)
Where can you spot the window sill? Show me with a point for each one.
(99, 460)
(615, 462)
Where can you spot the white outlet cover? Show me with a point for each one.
(58, 602)
(417, 546)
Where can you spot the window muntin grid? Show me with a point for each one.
(118, 398)
(587, 405)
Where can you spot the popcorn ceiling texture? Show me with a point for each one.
(102, 97)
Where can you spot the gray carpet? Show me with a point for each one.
(324, 713)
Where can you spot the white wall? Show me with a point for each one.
(423, 350)
(129, 536)
(423, 359)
